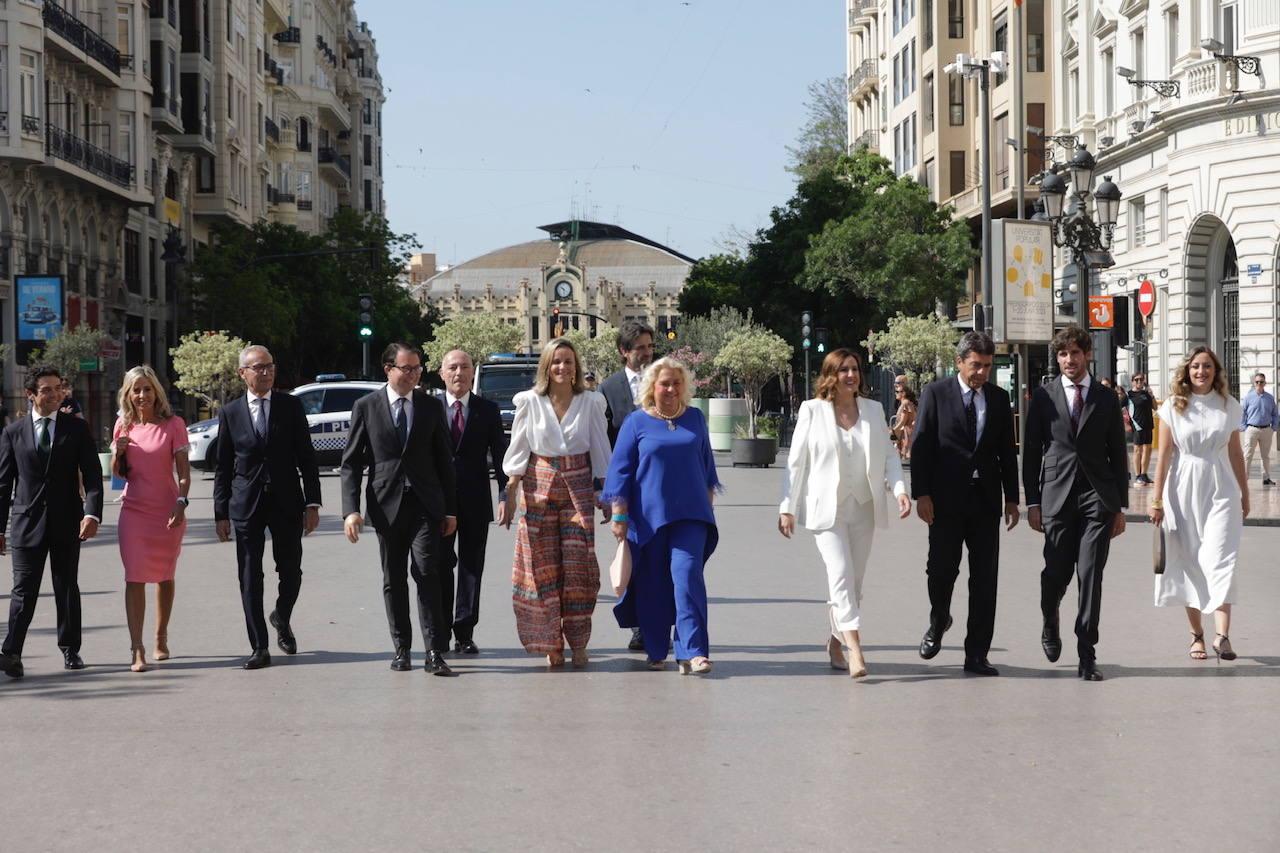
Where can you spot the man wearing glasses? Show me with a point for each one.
(401, 435)
(1258, 422)
(264, 447)
(1142, 417)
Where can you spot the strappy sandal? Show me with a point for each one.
(1222, 647)
(555, 659)
(1200, 653)
(835, 652)
(697, 666)
(162, 646)
(139, 659)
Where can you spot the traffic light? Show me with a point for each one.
(806, 328)
(555, 322)
(671, 333)
(820, 337)
(366, 316)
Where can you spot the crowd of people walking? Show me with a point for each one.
(418, 468)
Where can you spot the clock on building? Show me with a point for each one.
(563, 289)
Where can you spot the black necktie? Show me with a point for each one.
(402, 423)
(971, 417)
(45, 444)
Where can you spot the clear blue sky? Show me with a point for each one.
(669, 118)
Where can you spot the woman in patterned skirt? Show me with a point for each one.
(559, 451)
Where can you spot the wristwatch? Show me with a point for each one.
(183, 500)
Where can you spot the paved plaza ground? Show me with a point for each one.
(329, 750)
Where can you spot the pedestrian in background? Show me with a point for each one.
(964, 477)
(478, 442)
(1202, 500)
(559, 450)
(621, 390)
(1140, 406)
(1259, 419)
(69, 405)
(150, 446)
(662, 483)
(42, 461)
(904, 419)
(839, 465)
(265, 479)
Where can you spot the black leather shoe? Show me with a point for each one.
(637, 641)
(11, 665)
(72, 660)
(931, 644)
(1089, 671)
(979, 666)
(400, 663)
(284, 635)
(466, 647)
(1051, 640)
(259, 659)
(436, 665)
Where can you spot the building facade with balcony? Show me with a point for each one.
(366, 124)
(591, 271)
(1192, 138)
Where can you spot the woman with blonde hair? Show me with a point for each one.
(150, 445)
(559, 449)
(840, 463)
(662, 483)
(1202, 498)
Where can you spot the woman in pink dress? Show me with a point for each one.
(150, 445)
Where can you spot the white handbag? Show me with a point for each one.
(620, 568)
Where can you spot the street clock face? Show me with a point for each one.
(563, 290)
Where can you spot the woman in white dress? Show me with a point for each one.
(840, 463)
(1203, 498)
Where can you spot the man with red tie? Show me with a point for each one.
(475, 431)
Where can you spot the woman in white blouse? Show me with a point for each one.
(840, 462)
(559, 452)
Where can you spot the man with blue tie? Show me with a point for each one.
(1259, 422)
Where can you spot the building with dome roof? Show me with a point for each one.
(593, 272)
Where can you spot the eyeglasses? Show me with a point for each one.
(259, 368)
(407, 368)
(1259, 382)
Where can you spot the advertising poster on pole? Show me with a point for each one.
(39, 306)
(1022, 304)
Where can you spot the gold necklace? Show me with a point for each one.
(670, 420)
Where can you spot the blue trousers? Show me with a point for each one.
(668, 591)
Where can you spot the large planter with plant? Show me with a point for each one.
(702, 404)
(761, 451)
(754, 356)
(725, 416)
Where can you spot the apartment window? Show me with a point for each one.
(1033, 12)
(304, 184)
(1226, 21)
(366, 115)
(957, 173)
(206, 109)
(1000, 152)
(1164, 214)
(955, 19)
(955, 99)
(1171, 35)
(928, 103)
(897, 149)
(262, 127)
(230, 10)
(911, 141)
(1139, 56)
(27, 81)
(368, 195)
(1034, 144)
(133, 261)
(231, 97)
(368, 150)
(124, 28)
(928, 24)
(897, 79)
(1073, 89)
(930, 179)
(126, 138)
(205, 174)
(1137, 222)
(911, 59)
(4, 107)
(1108, 82)
(1000, 40)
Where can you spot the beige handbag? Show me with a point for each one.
(620, 568)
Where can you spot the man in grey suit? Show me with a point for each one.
(620, 390)
(1075, 474)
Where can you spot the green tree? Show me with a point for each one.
(206, 365)
(824, 135)
(599, 354)
(713, 282)
(478, 335)
(65, 350)
(753, 357)
(915, 346)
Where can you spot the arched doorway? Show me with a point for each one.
(1213, 284)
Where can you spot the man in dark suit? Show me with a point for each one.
(620, 390)
(475, 434)
(1075, 475)
(400, 434)
(46, 457)
(264, 445)
(963, 461)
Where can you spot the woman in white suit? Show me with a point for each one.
(841, 461)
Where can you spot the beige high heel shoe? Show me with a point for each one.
(139, 659)
(162, 646)
(835, 651)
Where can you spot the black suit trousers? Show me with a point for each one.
(464, 550)
(286, 548)
(28, 572)
(413, 544)
(970, 525)
(1077, 539)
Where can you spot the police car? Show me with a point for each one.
(327, 404)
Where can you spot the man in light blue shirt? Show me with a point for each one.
(1258, 422)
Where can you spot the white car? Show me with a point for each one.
(327, 406)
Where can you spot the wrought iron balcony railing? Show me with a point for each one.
(80, 35)
(76, 151)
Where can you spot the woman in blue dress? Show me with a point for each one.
(662, 482)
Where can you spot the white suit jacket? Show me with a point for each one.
(812, 477)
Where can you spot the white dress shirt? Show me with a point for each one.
(980, 403)
(1070, 388)
(392, 396)
(449, 400)
(263, 403)
(633, 381)
(535, 429)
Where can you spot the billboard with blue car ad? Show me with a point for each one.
(39, 306)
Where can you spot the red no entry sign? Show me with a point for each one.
(1146, 297)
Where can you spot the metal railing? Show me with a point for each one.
(293, 35)
(76, 151)
(273, 130)
(4, 128)
(30, 124)
(866, 70)
(286, 198)
(80, 35)
(273, 196)
(304, 204)
(327, 155)
(869, 139)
